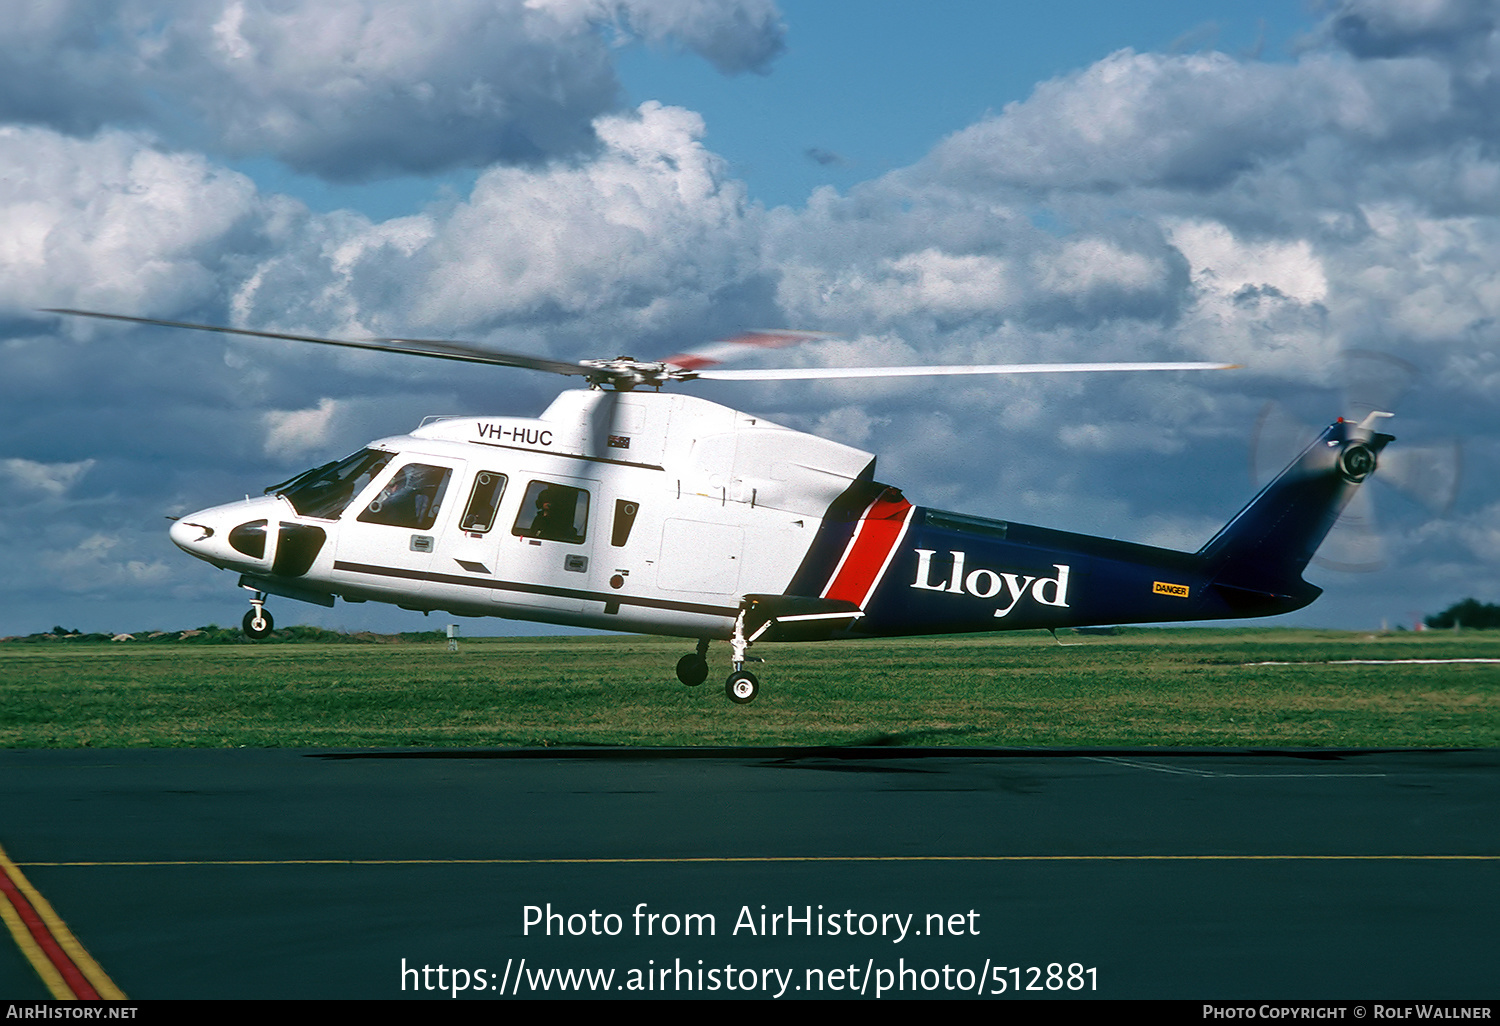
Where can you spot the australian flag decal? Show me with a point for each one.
(619, 442)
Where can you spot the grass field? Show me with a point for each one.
(1137, 688)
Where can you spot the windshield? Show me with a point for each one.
(324, 492)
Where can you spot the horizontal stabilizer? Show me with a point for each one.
(797, 617)
(1253, 602)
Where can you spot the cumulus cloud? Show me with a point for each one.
(297, 432)
(49, 479)
(356, 89)
(1126, 438)
(111, 222)
(736, 37)
(1395, 28)
(98, 563)
(644, 239)
(1228, 266)
(59, 68)
(1191, 122)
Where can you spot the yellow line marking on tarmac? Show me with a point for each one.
(56, 985)
(54, 925)
(778, 858)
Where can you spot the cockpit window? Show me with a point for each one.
(324, 491)
(410, 499)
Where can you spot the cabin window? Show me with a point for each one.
(410, 499)
(479, 515)
(553, 512)
(324, 491)
(625, 511)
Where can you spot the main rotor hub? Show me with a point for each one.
(625, 373)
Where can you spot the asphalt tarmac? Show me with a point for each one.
(844, 873)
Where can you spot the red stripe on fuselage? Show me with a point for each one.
(881, 528)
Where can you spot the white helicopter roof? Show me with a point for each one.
(711, 449)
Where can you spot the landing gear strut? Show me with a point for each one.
(742, 686)
(257, 623)
(692, 669)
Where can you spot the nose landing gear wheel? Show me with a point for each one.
(692, 669)
(258, 624)
(742, 687)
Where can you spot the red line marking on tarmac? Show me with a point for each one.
(42, 935)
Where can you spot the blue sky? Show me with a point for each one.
(876, 84)
(869, 87)
(1269, 183)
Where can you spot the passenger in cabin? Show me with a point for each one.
(552, 521)
(553, 512)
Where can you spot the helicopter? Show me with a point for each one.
(629, 508)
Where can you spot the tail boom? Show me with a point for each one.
(934, 572)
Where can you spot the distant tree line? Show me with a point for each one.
(1468, 613)
(213, 634)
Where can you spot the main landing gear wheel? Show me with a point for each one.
(692, 669)
(258, 624)
(742, 687)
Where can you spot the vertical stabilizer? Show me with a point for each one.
(1258, 558)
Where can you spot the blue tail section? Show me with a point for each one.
(1257, 560)
(882, 567)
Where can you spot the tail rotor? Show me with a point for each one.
(1375, 383)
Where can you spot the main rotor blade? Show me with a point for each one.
(463, 351)
(726, 349)
(624, 371)
(814, 373)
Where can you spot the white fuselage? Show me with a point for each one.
(626, 511)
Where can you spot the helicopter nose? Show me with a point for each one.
(237, 534)
(190, 532)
